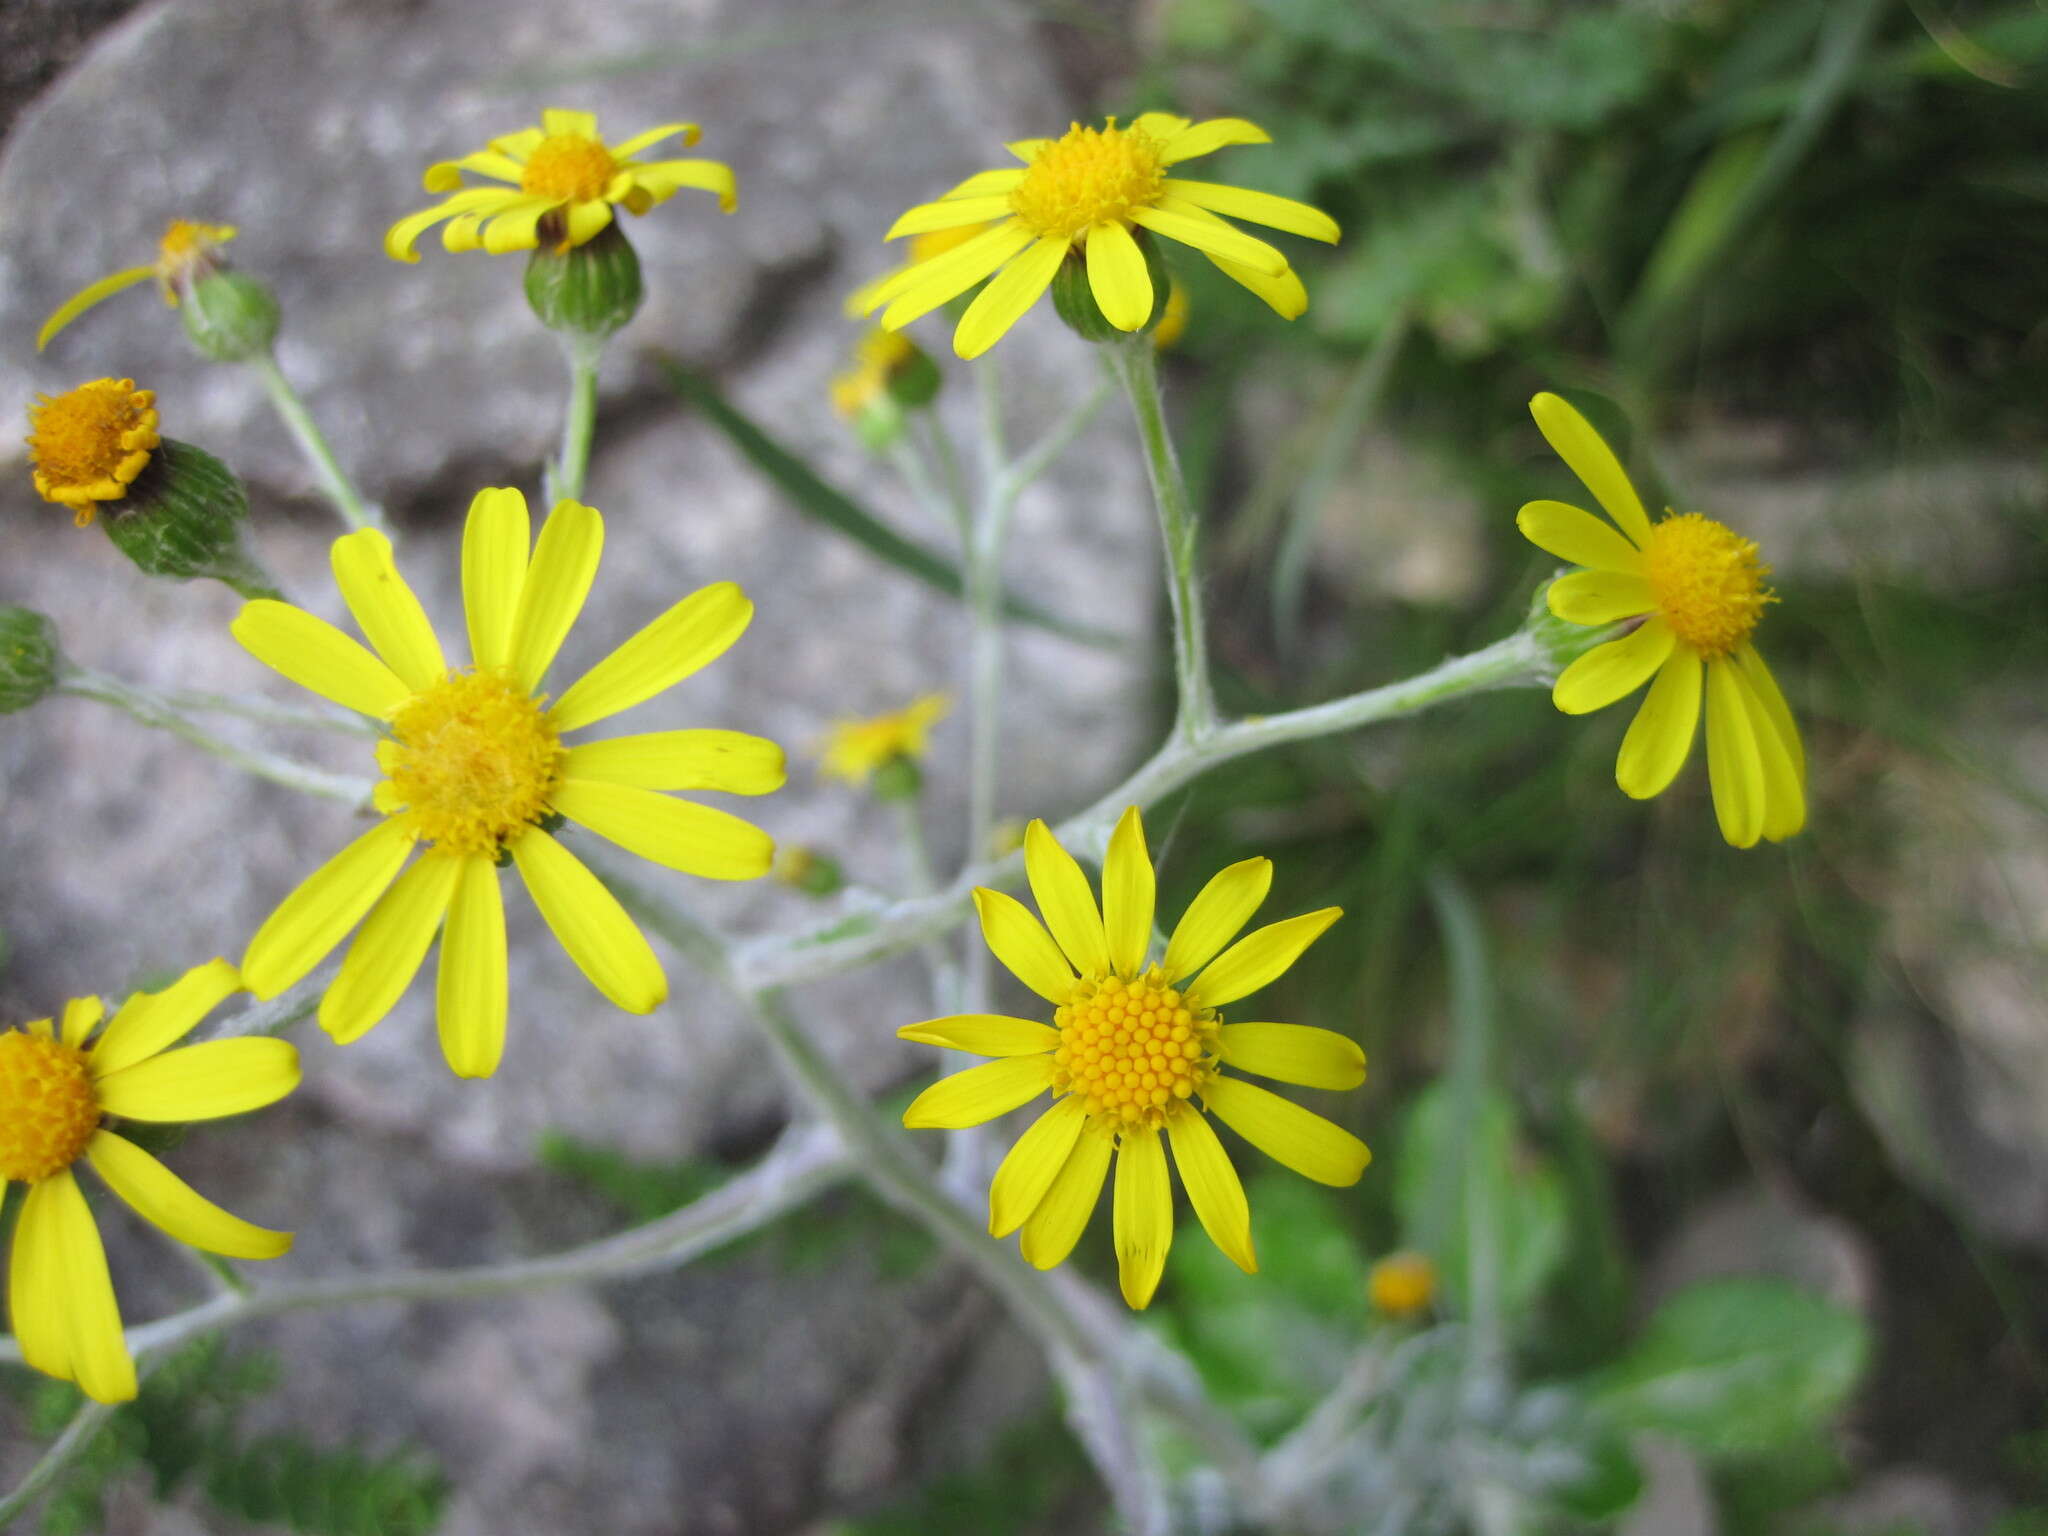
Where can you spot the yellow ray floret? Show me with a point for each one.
(565, 181)
(1090, 196)
(183, 256)
(1137, 1056)
(477, 775)
(1696, 592)
(58, 1087)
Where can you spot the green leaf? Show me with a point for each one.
(1734, 1367)
(831, 506)
(1433, 1195)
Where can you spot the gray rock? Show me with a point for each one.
(130, 855)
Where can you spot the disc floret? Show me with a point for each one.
(89, 444)
(1089, 176)
(569, 166)
(1133, 1048)
(1708, 581)
(471, 762)
(48, 1110)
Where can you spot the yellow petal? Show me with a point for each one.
(1573, 534)
(983, 1034)
(80, 1014)
(1784, 786)
(590, 924)
(1142, 1216)
(317, 656)
(470, 1000)
(152, 1021)
(1020, 941)
(401, 238)
(167, 1201)
(99, 1354)
(1600, 597)
(1259, 207)
(564, 564)
(88, 296)
(729, 761)
(495, 541)
(1205, 138)
(1295, 1053)
(653, 136)
(203, 1082)
(925, 285)
(1214, 1189)
(1261, 955)
(1776, 710)
(1117, 277)
(516, 227)
(36, 1291)
(1029, 1168)
(1287, 1133)
(1589, 457)
(693, 633)
(1195, 226)
(1162, 126)
(385, 609)
(1061, 1216)
(1283, 294)
(1734, 764)
(1661, 734)
(1128, 893)
(387, 954)
(979, 1094)
(664, 178)
(1214, 917)
(568, 121)
(677, 834)
(1010, 292)
(950, 212)
(585, 221)
(1062, 893)
(312, 920)
(1614, 670)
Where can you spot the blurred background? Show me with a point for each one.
(1790, 255)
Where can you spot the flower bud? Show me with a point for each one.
(1075, 299)
(186, 515)
(807, 870)
(589, 290)
(229, 316)
(28, 657)
(1402, 1285)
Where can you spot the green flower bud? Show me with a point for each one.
(898, 779)
(588, 290)
(28, 657)
(807, 870)
(229, 316)
(187, 515)
(914, 382)
(1075, 300)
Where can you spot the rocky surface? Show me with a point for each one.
(699, 1403)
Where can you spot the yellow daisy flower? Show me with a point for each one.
(56, 1092)
(1135, 1052)
(1698, 589)
(89, 444)
(1081, 196)
(564, 178)
(1402, 1285)
(476, 774)
(183, 256)
(855, 749)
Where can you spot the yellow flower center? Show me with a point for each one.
(570, 167)
(471, 762)
(1133, 1049)
(1091, 176)
(89, 444)
(48, 1110)
(1708, 582)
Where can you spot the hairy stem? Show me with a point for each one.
(313, 443)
